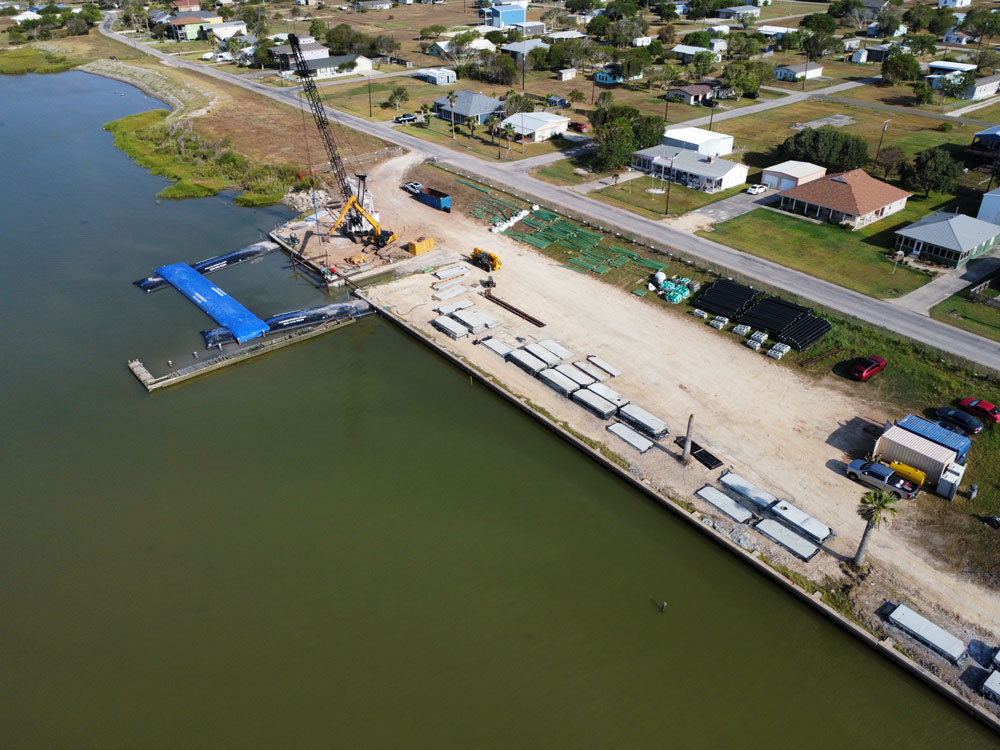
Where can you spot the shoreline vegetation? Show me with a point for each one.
(24, 60)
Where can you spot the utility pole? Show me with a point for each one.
(711, 115)
(885, 126)
(369, 96)
(670, 181)
(687, 441)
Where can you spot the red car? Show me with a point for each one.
(579, 127)
(982, 409)
(869, 367)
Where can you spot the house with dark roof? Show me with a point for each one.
(469, 105)
(693, 94)
(334, 67)
(952, 239)
(852, 199)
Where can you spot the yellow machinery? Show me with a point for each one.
(380, 237)
(485, 260)
(357, 260)
(909, 473)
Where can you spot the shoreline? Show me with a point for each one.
(101, 68)
(887, 647)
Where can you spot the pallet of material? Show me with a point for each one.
(757, 497)
(595, 372)
(801, 522)
(450, 273)
(449, 307)
(542, 353)
(609, 394)
(450, 292)
(442, 285)
(527, 362)
(630, 436)
(925, 631)
(450, 327)
(558, 382)
(787, 538)
(497, 346)
(593, 403)
(612, 371)
(643, 421)
(556, 348)
(577, 376)
(723, 502)
(470, 320)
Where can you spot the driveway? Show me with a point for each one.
(952, 282)
(736, 205)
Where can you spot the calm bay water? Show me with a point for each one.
(344, 544)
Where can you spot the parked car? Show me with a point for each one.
(406, 119)
(993, 521)
(756, 189)
(413, 187)
(982, 409)
(951, 428)
(709, 103)
(579, 127)
(957, 417)
(752, 95)
(881, 477)
(872, 365)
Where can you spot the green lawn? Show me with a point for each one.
(439, 131)
(561, 172)
(21, 60)
(634, 195)
(975, 317)
(855, 260)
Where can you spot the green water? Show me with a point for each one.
(344, 544)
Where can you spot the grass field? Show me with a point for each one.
(561, 172)
(21, 60)
(901, 96)
(634, 196)
(975, 317)
(855, 260)
(481, 144)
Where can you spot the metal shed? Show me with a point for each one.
(723, 502)
(469, 319)
(937, 434)
(558, 382)
(595, 372)
(612, 371)
(577, 376)
(992, 686)
(556, 348)
(594, 404)
(757, 497)
(497, 346)
(644, 421)
(925, 631)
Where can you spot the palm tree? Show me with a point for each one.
(876, 506)
(452, 98)
(492, 124)
(508, 132)
(671, 76)
(426, 110)
(472, 123)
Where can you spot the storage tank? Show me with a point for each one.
(897, 444)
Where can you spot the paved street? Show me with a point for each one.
(885, 314)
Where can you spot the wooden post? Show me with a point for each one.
(686, 457)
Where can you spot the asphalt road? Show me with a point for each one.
(884, 314)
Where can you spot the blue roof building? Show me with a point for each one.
(502, 16)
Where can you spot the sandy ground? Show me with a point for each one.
(789, 434)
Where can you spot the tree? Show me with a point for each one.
(615, 144)
(741, 78)
(576, 96)
(876, 507)
(702, 64)
(667, 12)
(889, 20)
(982, 22)
(656, 50)
(819, 23)
(987, 61)
(923, 92)
(514, 103)
(826, 146)
(579, 6)
(317, 29)
(648, 130)
(255, 19)
(933, 169)
(425, 110)
(452, 97)
(492, 124)
(698, 39)
(671, 76)
(598, 26)
(399, 95)
(818, 45)
(433, 31)
(261, 56)
(841, 8)
(942, 20)
(496, 37)
(900, 66)
(508, 132)
(891, 157)
(919, 17)
(922, 45)
(743, 47)
(667, 34)
(538, 59)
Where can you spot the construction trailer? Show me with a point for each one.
(938, 462)
(937, 434)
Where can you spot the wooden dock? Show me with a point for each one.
(154, 383)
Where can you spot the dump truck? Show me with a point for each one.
(435, 199)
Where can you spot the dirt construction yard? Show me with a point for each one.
(788, 434)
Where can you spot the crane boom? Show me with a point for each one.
(353, 204)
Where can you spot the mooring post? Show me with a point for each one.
(686, 457)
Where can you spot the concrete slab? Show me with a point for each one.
(951, 282)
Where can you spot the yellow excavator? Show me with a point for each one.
(485, 260)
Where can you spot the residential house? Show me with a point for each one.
(798, 72)
(559, 102)
(940, 72)
(850, 199)
(572, 34)
(28, 15)
(851, 43)
(373, 5)
(694, 94)
(642, 41)
(705, 142)
(530, 28)
(443, 48)
(282, 38)
(224, 3)
(983, 88)
(689, 168)
(790, 174)
(874, 29)
(244, 39)
(188, 27)
(738, 12)
(989, 207)
(956, 36)
(469, 105)
(534, 127)
(954, 3)
(682, 8)
(160, 16)
(774, 32)
(686, 52)
(517, 50)
(612, 75)
(185, 6)
(720, 30)
(222, 31)
(985, 148)
(952, 239)
(335, 67)
(282, 54)
(717, 45)
(877, 53)
(872, 8)
(566, 74)
(502, 16)
(437, 76)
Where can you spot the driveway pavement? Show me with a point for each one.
(736, 205)
(952, 282)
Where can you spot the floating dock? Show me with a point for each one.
(788, 539)
(214, 302)
(213, 264)
(723, 502)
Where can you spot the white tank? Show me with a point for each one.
(659, 277)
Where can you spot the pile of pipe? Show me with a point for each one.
(524, 213)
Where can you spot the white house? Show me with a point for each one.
(982, 88)
(720, 30)
(437, 76)
(873, 30)
(567, 74)
(685, 53)
(798, 72)
(689, 168)
(222, 31)
(989, 209)
(283, 53)
(443, 47)
(955, 36)
(28, 15)
(941, 71)
(954, 3)
(572, 34)
(774, 32)
(517, 50)
(335, 67)
(705, 142)
(717, 45)
(537, 126)
(789, 174)
(737, 12)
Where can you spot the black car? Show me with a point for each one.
(951, 428)
(753, 95)
(709, 103)
(960, 418)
